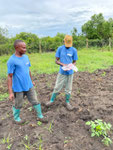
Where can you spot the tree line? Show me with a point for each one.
(96, 32)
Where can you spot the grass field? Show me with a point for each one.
(89, 60)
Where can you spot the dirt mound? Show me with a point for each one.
(92, 96)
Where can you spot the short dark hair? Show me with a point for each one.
(17, 42)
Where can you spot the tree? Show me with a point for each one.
(95, 28)
(31, 40)
(3, 33)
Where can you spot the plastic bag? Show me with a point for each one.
(70, 67)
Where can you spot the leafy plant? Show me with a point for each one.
(100, 129)
(7, 140)
(30, 108)
(103, 74)
(39, 123)
(3, 96)
(9, 146)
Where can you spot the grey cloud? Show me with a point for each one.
(47, 17)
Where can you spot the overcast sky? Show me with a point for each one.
(47, 17)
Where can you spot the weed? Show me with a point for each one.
(3, 96)
(103, 74)
(26, 143)
(36, 146)
(40, 142)
(26, 122)
(30, 108)
(50, 127)
(9, 146)
(6, 141)
(67, 139)
(100, 129)
(39, 123)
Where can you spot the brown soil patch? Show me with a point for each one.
(92, 95)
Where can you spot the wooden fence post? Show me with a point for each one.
(109, 43)
(87, 43)
(40, 49)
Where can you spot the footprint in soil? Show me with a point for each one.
(85, 115)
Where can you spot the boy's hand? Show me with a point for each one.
(11, 97)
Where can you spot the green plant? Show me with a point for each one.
(100, 129)
(30, 108)
(39, 123)
(50, 127)
(26, 143)
(40, 142)
(3, 96)
(67, 139)
(103, 74)
(9, 146)
(29, 146)
(7, 140)
(26, 122)
(37, 145)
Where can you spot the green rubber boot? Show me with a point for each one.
(40, 116)
(68, 105)
(16, 114)
(52, 99)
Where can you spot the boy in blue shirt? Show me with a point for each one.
(65, 55)
(20, 82)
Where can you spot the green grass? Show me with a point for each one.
(89, 60)
(3, 96)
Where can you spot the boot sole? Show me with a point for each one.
(19, 123)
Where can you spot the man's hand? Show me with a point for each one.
(33, 83)
(64, 65)
(11, 97)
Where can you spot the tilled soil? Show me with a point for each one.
(92, 96)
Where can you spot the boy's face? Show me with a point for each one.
(21, 48)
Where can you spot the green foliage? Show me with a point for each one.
(3, 96)
(100, 128)
(39, 123)
(7, 141)
(50, 127)
(103, 74)
(89, 60)
(27, 143)
(30, 108)
(28, 146)
(3, 33)
(98, 28)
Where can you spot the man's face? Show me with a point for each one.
(21, 48)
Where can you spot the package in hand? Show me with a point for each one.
(70, 67)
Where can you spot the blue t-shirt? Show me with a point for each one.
(19, 66)
(66, 56)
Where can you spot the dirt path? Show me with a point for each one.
(92, 95)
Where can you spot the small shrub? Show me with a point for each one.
(100, 129)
